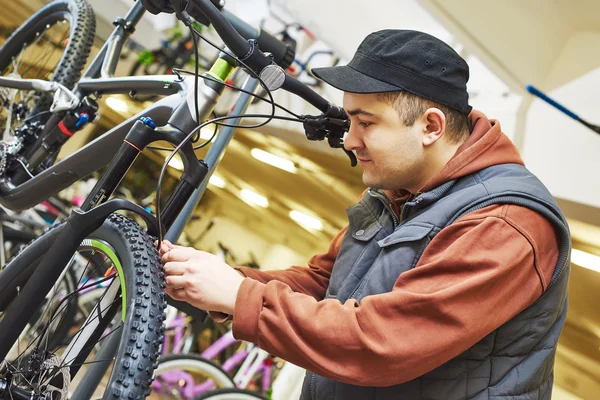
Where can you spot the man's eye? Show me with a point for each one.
(364, 124)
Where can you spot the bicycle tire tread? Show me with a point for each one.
(76, 52)
(138, 357)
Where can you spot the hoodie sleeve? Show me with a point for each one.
(473, 277)
(312, 281)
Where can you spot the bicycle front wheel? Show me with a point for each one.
(120, 260)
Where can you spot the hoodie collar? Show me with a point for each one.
(486, 146)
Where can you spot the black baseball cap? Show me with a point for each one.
(392, 60)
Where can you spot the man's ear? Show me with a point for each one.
(434, 125)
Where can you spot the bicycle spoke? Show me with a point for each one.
(52, 52)
(50, 302)
(63, 307)
(36, 338)
(49, 322)
(39, 55)
(18, 372)
(19, 338)
(96, 317)
(31, 45)
(32, 342)
(68, 363)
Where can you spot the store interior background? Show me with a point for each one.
(508, 45)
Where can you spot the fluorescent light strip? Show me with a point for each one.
(254, 199)
(117, 104)
(585, 260)
(273, 160)
(306, 220)
(207, 132)
(217, 181)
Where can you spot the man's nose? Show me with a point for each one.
(353, 140)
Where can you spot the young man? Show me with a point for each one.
(449, 282)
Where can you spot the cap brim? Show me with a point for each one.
(347, 79)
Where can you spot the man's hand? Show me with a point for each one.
(199, 278)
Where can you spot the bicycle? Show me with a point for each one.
(190, 375)
(132, 306)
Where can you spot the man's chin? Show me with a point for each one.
(370, 182)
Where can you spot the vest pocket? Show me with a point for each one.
(400, 252)
(407, 233)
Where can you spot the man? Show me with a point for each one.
(450, 280)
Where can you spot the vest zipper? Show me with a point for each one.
(386, 203)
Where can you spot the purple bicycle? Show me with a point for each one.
(193, 376)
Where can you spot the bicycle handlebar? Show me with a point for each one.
(283, 54)
(331, 124)
(253, 57)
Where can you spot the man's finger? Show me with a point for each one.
(176, 281)
(174, 268)
(170, 245)
(179, 254)
(163, 249)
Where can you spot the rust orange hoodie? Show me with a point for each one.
(475, 275)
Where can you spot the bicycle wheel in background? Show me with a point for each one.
(132, 307)
(182, 376)
(230, 394)
(53, 44)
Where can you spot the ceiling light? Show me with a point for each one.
(207, 132)
(117, 104)
(254, 199)
(585, 260)
(306, 220)
(217, 181)
(176, 163)
(273, 160)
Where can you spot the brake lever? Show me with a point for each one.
(331, 125)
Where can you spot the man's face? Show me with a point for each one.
(390, 152)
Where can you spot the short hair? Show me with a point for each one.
(410, 107)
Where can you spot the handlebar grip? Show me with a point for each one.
(296, 87)
(283, 55)
(226, 31)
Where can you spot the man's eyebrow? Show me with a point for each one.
(359, 111)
